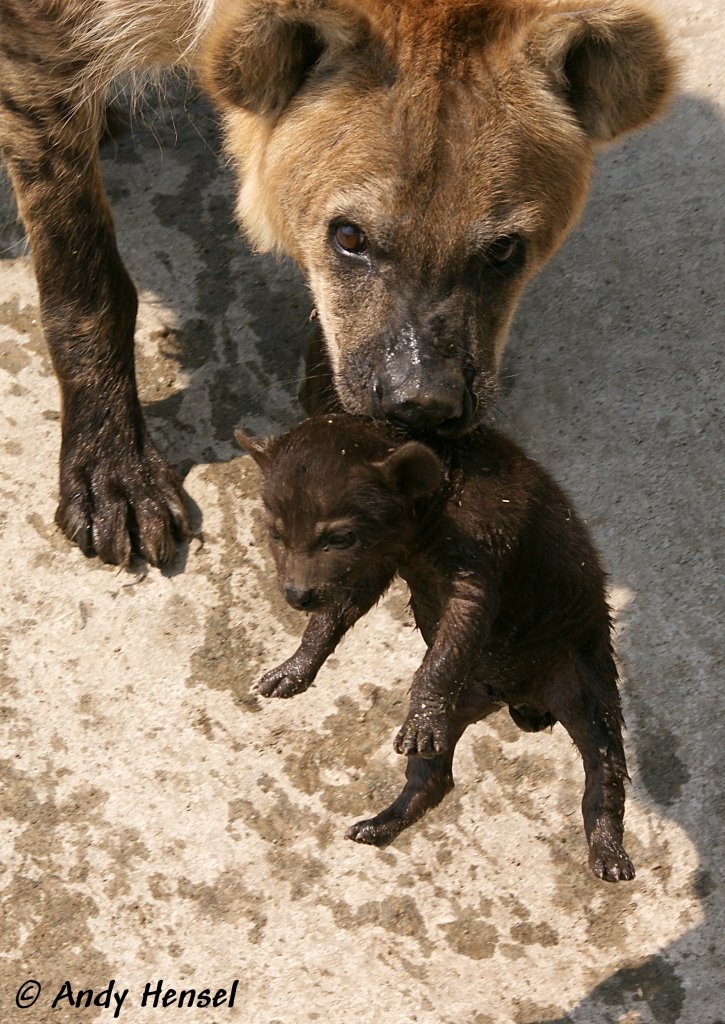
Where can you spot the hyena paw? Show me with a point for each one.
(424, 733)
(286, 680)
(114, 502)
(608, 860)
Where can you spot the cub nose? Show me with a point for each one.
(299, 598)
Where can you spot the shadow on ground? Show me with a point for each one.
(640, 409)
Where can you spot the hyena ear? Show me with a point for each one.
(257, 447)
(412, 470)
(612, 63)
(259, 52)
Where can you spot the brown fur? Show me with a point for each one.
(448, 131)
(505, 586)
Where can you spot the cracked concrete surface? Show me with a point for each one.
(160, 822)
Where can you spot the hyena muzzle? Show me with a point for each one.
(419, 159)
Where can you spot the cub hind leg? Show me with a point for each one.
(583, 696)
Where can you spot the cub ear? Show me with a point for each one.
(258, 52)
(257, 447)
(612, 62)
(412, 470)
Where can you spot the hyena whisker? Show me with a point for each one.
(279, 385)
(16, 249)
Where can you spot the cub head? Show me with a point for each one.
(338, 498)
(421, 161)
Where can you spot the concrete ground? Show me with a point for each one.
(162, 824)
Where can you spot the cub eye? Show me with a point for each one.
(506, 252)
(343, 539)
(348, 239)
(274, 534)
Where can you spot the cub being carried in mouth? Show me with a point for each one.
(505, 586)
(419, 160)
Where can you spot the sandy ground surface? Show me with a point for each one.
(161, 824)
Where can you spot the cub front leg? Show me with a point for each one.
(117, 495)
(324, 631)
(295, 675)
(462, 629)
(322, 635)
(427, 779)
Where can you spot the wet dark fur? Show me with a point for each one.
(505, 586)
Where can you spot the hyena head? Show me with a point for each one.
(420, 160)
(338, 494)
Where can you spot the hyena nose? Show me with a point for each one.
(417, 404)
(298, 598)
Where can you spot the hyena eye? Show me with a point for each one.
(340, 540)
(348, 239)
(506, 252)
(274, 535)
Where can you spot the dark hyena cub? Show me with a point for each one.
(505, 586)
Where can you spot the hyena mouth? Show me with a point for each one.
(457, 426)
(479, 402)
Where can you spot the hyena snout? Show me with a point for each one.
(420, 405)
(422, 390)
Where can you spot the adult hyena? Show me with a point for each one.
(419, 159)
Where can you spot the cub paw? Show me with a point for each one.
(609, 861)
(286, 680)
(424, 734)
(374, 832)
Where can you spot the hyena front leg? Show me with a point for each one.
(116, 492)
